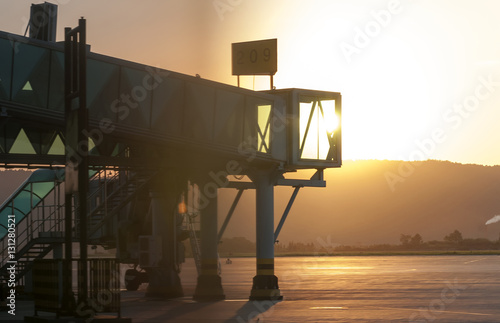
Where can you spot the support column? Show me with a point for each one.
(209, 285)
(68, 303)
(164, 281)
(265, 283)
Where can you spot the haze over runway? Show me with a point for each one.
(336, 289)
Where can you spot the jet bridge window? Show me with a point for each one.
(317, 128)
(264, 125)
(31, 75)
(258, 124)
(5, 68)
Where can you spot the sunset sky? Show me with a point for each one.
(419, 79)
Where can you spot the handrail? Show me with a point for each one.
(24, 237)
(38, 220)
(32, 224)
(104, 206)
(100, 191)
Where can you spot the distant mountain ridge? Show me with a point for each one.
(373, 201)
(368, 202)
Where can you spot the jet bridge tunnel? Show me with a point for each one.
(173, 129)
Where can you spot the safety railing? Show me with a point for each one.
(103, 292)
(42, 221)
(42, 218)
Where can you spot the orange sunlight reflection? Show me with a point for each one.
(318, 122)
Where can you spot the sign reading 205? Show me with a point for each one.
(255, 57)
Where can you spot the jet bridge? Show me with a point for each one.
(184, 129)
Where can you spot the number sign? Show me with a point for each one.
(255, 57)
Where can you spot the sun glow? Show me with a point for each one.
(332, 124)
(318, 125)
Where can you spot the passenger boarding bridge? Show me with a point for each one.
(160, 146)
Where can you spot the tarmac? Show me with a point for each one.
(333, 289)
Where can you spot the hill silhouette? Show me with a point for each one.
(367, 202)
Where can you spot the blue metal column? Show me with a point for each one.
(209, 285)
(265, 283)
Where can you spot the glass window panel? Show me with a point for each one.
(257, 114)
(22, 145)
(22, 202)
(168, 106)
(57, 147)
(328, 124)
(29, 196)
(31, 75)
(250, 136)
(263, 120)
(317, 125)
(308, 130)
(42, 188)
(93, 151)
(8, 210)
(229, 112)
(199, 112)
(102, 90)
(330, 117)
(56, 87)
(5, 68)
(135, 98)
(35, 139)
(4, 220)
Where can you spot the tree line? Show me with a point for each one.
(453, 241)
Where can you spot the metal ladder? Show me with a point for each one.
(194, 240)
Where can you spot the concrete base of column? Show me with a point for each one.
(209, 288)
(265, 287)
(164, 283)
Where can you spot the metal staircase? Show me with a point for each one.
(37, 248)
(40, 230)
(113, 194)
(37, 210)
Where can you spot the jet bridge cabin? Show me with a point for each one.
(313, 128)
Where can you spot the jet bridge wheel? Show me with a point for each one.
(132, 279)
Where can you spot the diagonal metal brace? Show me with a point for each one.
(285, 213)
(230, 214)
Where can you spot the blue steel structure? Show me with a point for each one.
(159, 134)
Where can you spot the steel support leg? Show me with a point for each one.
(164, 281)
(209, 285)
(265, 283)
